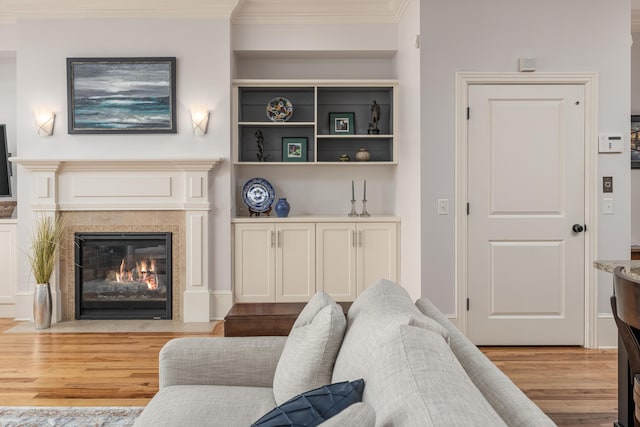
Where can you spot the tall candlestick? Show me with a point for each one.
(353, 191)
(365, 190)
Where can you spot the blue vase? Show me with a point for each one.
(282, 208)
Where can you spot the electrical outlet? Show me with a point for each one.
(607, 184)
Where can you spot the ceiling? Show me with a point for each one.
(240, 11)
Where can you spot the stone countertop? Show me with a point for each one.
(631, 268)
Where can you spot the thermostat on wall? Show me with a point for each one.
(611, 144)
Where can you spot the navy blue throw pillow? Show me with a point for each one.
(313, 407)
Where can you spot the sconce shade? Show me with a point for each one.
(200, 121)
(45, 122)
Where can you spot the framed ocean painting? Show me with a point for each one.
(121, 95)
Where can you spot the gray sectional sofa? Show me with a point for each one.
(418, 369)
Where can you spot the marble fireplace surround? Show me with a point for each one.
(130, 195)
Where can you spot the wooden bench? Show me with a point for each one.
(264, 319)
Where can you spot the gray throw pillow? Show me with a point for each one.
(310, 351)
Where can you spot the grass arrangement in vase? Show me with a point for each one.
(43, 255)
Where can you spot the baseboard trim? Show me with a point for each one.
(221, 303)
(24, 306)
(607, 332)
(199, 305)
(8, 311)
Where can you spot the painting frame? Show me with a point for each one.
(342, 123)
(121, 95)
(634, 142)
(294, 149)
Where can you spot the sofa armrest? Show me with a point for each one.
(515, 408)
(242, 361)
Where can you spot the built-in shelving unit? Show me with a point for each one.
(313, 103)
(319, 247)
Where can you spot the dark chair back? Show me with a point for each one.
(625, 306)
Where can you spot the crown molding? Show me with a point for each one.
(313, 11)
(239, 11)
(14, 10)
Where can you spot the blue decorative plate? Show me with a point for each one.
(258, 195)
(279, 109)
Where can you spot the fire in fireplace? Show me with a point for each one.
(123, 275)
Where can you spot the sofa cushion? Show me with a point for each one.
(357, 415)
(513, 406)
(376, 313)
(311, 408)
(206, 406)
(415, 379)
(310, 351)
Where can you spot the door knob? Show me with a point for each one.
(578, 228)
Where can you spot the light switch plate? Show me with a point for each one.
(443, 206)
(607, 184)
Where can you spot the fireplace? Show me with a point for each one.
(123, 275)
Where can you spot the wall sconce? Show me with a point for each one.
(200, 121)
(45, 122)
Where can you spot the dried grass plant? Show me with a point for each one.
(45, 244)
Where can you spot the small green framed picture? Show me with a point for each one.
(342, 123)
(294, 149)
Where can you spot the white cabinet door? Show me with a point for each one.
(336, 257)
(274, 262)
(295, 262)
(254, 258)
(377, 253)
(288, 262)
(8, 267)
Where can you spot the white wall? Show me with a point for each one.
(203, 74)
(408, 207)
(8, 39)
(467, 35)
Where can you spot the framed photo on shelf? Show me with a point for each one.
(342, 123)
(121, 95)
(294, 149)
(634, 142)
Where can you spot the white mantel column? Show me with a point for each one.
(196, 299)
(44, 196)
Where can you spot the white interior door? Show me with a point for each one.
(525, 192)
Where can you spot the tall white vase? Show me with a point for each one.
(42, 306)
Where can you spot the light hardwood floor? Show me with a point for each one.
(574, 386)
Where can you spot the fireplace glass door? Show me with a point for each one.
(123, 275)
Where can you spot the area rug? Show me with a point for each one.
(110, 326)
(61, 416)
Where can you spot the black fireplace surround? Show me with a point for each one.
(123, 275)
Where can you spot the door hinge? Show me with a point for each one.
(467, 208)
(468, 113)
(467, 304)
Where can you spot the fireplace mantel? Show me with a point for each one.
(134, 185)
(108, 184)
